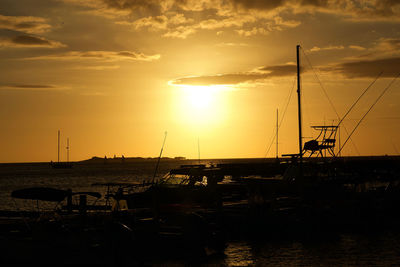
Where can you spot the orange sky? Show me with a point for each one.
(114, 75)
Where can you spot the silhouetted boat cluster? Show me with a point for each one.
(195, 209)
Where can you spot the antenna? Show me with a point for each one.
(339, 154)
(198, 147)
(67, 149)
(58, 147)
(158, 161)
(394, 147)
(277, 128)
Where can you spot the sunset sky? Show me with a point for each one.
(114, 75)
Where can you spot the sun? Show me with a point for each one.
(199, 98)
(200, 105)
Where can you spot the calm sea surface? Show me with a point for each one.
(367, 247)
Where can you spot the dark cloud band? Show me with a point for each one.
(367, 68)
(237, 78)
(354, 69)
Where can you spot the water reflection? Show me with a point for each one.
(239, 254)
(364, 247)
(371, 248)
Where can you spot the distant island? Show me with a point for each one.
(96, 159)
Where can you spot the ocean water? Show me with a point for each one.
(81, 177)
(84, 176)
(361, 247)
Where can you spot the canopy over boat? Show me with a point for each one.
(40, 193)
(48, 194)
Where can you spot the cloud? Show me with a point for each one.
(317, 49)
(26, 24)
(353, 69)
(258, 4)
(99, 56)
(388, 44)
(357, 47)
(336, 47)
(181, 18)
(382, 48)
(357, 9)
(261, 73)
(180, 32)
(160, 22)
(280, 70)
(280, 22)
(157, 22)
(232, 44)
(367, 68)
(114, 9)
(221, 79)
(178, 26)
(219, 23)
(253, 31)
(99, 67)
(135, 5)
(29, 41)
(32, 87)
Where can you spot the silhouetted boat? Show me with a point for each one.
(58, 164)
(61, 165)
(186, 188)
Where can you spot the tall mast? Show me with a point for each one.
(339, 154)
(198, 148)
(67, 149)
(159, 157)
(299, 103)
(58, 147)
(277, 128)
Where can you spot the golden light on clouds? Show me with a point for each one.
(116, 74)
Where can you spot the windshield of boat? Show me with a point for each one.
(182, 179)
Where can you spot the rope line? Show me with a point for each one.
(376, 101)
(283, 116)
(345, 115)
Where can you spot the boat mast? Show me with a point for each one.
(299, 103)
(58, 147)
(277, 127)
(159, 157)
(67, 149)
(198, 148)
(339, 154)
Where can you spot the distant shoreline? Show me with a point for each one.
(96, 159)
